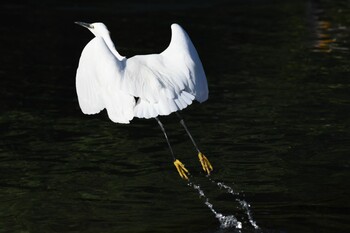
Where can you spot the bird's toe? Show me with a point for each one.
(183, 172)
(207, 167)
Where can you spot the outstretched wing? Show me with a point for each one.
(166, 82)
(98, 82)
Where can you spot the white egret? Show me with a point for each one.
(143, 86)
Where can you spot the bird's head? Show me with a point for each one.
(98, 29)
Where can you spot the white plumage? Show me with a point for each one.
(164, 83)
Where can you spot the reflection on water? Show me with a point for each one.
(276, 125)
(324, 41)
(328, 37)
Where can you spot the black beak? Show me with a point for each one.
(86, 25)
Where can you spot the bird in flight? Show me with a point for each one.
(143, 86)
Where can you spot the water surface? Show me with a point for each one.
(276, 125)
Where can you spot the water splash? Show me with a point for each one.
(222, 185)
(245, 206)
(225, 221)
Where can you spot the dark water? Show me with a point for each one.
(276, 125)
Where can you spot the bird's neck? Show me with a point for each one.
(111, 46)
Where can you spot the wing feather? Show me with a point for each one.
(169, 81)
(98, 83)
(165, 82)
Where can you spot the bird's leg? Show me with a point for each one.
(207, 167)
(183, 172)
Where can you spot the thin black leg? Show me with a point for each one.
(182, 122)
(166, 137)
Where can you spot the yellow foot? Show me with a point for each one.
(207, 167)
(183, 172)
